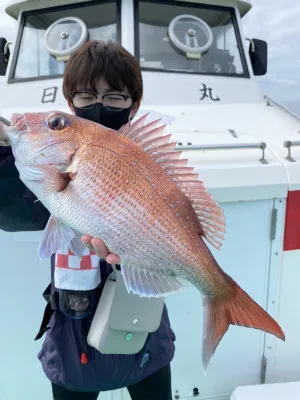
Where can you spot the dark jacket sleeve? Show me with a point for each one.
(18, 209)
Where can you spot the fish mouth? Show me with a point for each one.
(18, 123)
(15, 128)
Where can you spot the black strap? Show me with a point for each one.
(46, 318)
(52, 299)
(52, 305)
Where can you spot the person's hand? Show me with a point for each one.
(98, 246)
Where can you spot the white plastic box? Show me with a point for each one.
(275, 391)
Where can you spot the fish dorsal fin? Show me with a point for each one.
(151, 139)
(134, 126)
(143, 133)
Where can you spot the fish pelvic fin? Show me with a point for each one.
(237, 309)
(55, 234)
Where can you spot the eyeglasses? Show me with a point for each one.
(111, 101)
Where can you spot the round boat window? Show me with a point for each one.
(190, 34)
(65, 36)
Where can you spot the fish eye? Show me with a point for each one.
(57, 123)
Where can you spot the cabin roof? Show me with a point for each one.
(14, 7)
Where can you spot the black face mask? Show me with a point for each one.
(103, 116)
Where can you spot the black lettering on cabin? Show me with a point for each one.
(49, 94)
(207, 92)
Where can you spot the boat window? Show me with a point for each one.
(189, 38)
(46, 37)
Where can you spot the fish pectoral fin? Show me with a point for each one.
(54, 181)
(55, 234)
(51, 178)
(149, 284)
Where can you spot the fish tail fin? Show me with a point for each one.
(237, 309)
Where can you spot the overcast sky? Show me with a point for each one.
(277, 22)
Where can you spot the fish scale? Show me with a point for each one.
(132, 189)
(121, 191)
(99, 202)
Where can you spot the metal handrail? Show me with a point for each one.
(226, 146)
(288, 144)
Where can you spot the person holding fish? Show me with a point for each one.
(102, 83)
(121, 188)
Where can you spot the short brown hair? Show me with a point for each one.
(109, 60)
